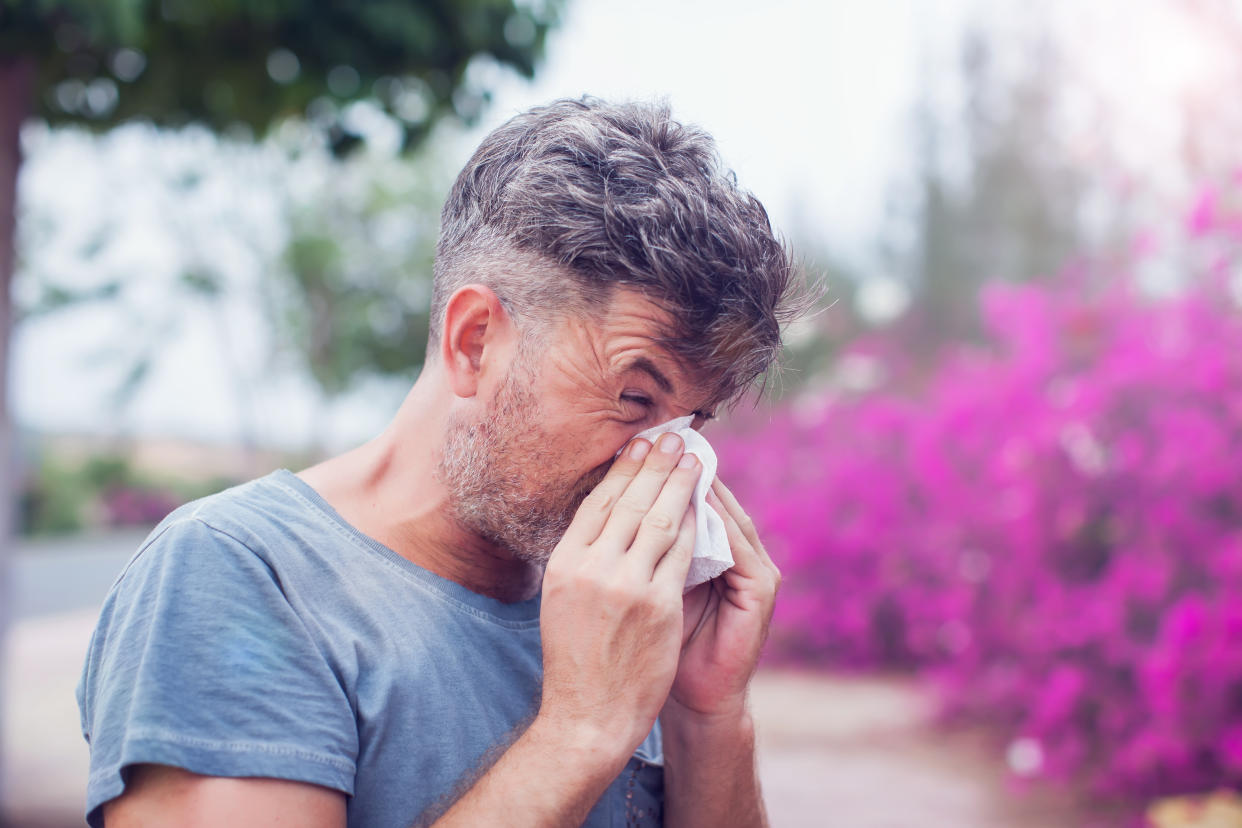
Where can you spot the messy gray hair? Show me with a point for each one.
(567, 202)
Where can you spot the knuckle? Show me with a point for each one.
(630, 506)
(659, 466)
(681, 547)
(661, 523)
(746, 524)
(598, 501)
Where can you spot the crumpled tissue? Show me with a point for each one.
(711, 554)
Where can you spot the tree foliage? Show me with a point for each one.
(1012, 215)
(345, 307)
(1048, 524)
(355, 303)
(225, 63)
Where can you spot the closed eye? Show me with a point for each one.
(645, 407)
(637, 399)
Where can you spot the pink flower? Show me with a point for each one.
(1048, 527)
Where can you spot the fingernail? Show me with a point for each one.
(670, 443)
(639, 449)
(687, 461)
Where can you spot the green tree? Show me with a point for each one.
(240, 66)
(1013, 214)
(354, 298)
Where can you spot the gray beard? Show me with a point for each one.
(493, 469)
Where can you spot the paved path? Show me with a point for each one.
(55, 575)
(45, 756)
(861, 753)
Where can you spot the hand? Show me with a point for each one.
(611, 614)
(725, 622)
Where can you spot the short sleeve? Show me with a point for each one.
(200, 662)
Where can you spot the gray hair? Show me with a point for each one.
(567, 202)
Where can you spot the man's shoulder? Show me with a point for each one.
(256, 517)
(256, 507)
(204, 656)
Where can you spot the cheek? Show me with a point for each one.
(588, 483)
(586, 433)
(590, 407)
(585, 425)
(582, 462)
(609, 440)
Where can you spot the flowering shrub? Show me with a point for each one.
(59, 496)
(1049, 528)
(137, 506)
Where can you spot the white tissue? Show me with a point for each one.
(711, 545)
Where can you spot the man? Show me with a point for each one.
(477, 618)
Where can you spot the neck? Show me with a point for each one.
(388, 490)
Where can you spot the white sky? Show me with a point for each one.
(809, 102)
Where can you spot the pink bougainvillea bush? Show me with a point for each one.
(1048, 527)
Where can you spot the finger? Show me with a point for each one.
(743, 520)
(746, 560)
(662, 524)
(670, 570)
(695, 605)
(594, 510)
(636, 500)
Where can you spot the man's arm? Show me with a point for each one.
(547, 777)
(710, 777)
(158, 795)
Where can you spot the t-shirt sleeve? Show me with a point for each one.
(200, 662)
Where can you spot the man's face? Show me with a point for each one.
(517, 476)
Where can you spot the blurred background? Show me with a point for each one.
(1001, 469)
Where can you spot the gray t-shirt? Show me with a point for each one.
(256, 633)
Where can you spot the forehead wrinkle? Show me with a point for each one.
(638, 354)
(579, 358)
(632, 335)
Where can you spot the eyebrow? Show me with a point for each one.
(648, 367)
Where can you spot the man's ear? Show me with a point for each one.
(477, 330)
